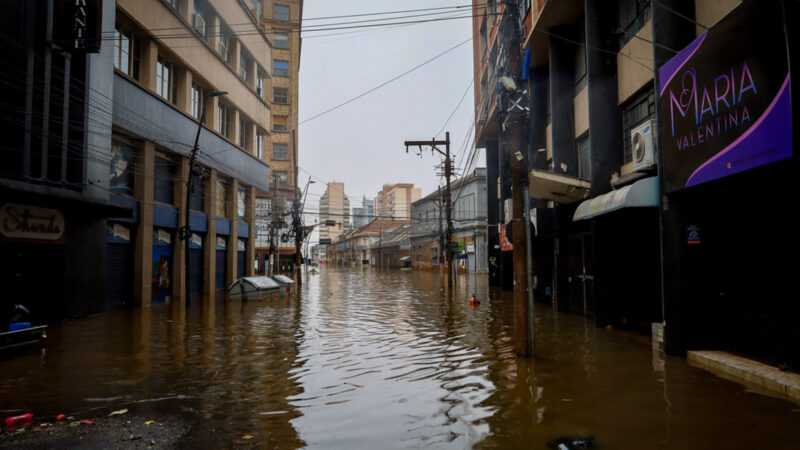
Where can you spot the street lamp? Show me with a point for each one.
(186, 231)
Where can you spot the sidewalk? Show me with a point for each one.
(764, 379)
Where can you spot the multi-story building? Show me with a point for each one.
(281, 21)
(355, 247)
(394, 200)
(649, 125)
(429, 222)
(134, 109)
(365, 214)
(335, 206)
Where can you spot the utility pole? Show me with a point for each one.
(380, 247)
(185, 233)
(448, 172)
(441, 232)
(513, 115)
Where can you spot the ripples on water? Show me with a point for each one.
(368, 359)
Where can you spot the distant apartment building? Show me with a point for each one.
(333, 206)
(281, 21)
(394, 200)
(365, 214)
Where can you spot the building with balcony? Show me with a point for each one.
(281, 22)
(636, 200)
(394, 200)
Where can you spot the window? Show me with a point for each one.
(163, 189)
(280, 95)
(282, 177)
(244, 63)
(222, 119)
(279, 123)
(260, 85)
(281, 40)
(259, 146)
(639, 108)
(584, 158)
(280, 152)
(122, 51)
(281, 12)
(166, 87)
(176, 5)
(580, 65)
(197, 196)
(257, 6)
(122, 167)
(633, 14)
(199, 19)
(280, 68)
(243, 133)
(197, 100)
(222, 198)
(224, 43)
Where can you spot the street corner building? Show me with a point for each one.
(99, 123)
(659, 143)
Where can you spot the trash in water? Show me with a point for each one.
(12, 423)
(87, 422)
(150, 422)
(247, 436)
(119, 412)
(572, 442)
(61, 418)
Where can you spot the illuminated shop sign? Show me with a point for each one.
(78, 24)
(725, 100)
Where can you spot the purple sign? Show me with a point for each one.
(725, 99)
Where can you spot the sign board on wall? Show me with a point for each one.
(725, 100)
(262, 217)
(31, 222)
(77, 25)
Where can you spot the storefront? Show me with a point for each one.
(728, 168)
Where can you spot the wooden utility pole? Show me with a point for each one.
(513, 115)
(448, 172)
(441, 232)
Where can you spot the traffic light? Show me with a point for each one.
(340, 225)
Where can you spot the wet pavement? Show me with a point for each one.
(367, 359)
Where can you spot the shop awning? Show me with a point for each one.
(558, 187)
(642, 193)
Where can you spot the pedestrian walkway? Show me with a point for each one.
(759, 377)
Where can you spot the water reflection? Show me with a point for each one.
(377, 359)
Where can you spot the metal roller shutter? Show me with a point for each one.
(195, 271)
(221, 270)
(240, 258)
(119, 275)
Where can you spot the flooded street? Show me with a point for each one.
(369, 359)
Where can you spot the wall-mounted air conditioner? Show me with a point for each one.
(643, 144)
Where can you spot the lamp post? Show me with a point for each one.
(186, 231)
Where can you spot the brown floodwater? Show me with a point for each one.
(360, 358)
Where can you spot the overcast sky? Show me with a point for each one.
(361, 144)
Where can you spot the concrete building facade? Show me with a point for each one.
(394, 200)
(616, 232)
(428, 222)
(335, 206)
(142, 91)
(281, 21)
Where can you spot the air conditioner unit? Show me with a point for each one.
(642, 145)
(199, 24)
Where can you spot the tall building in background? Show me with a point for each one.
(365, 214)
(335, 206)
(394, 200)
(281, 22)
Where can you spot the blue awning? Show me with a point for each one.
(642, 193)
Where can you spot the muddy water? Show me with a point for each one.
(365, 359)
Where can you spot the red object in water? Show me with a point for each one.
(12, 423)
(60, 417)
(287, 289)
